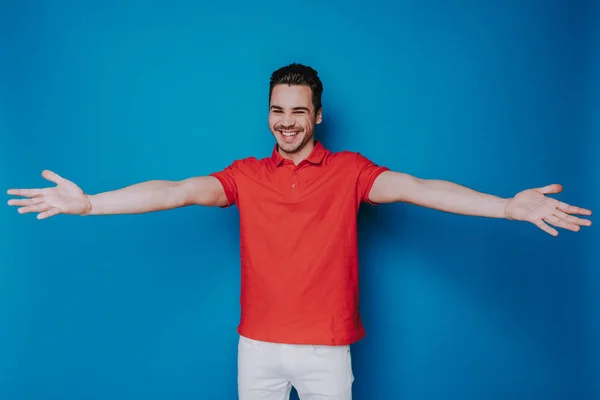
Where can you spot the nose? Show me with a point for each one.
(287, 121)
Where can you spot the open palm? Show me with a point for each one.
(65, 198)
(533, 206)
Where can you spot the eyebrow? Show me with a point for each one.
(295, 108)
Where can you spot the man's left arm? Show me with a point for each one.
(531, 205)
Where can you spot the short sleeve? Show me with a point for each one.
(227, 177)
(368, 171)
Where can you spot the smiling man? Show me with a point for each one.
(299, 296)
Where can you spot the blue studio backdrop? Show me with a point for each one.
(498, 96)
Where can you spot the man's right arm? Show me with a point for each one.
(158, 195)
(155, 195)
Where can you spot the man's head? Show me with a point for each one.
(294, 107)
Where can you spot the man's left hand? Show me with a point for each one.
(533, 206)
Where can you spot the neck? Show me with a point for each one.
(301, 155)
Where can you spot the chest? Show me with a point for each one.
(309, 189)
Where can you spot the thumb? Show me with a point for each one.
(53, 177)
(550, 189)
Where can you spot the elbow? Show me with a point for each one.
(399, 188)
(203, 191)
(177, 195)
(415, 191)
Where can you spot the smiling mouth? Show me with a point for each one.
(289, 134)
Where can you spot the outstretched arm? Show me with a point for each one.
(529, 205)
(67, 198)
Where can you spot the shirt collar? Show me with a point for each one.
(315, 157)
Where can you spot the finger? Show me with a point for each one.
(50, 213)
(569, 209)
(37, 208)
(571, 219)
(561, 223)
(52, 176)
(25, 192)
(26, 202)
(550, 189)
(540, 224)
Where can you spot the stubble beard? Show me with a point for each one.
(290, 148)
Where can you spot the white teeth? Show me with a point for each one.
(289, 134)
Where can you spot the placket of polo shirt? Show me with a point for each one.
(294, 183)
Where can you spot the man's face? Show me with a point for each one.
(292, 117)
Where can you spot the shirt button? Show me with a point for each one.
(293, 186)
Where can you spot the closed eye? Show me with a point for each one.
(295, 110)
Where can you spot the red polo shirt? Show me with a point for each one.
(299, 256)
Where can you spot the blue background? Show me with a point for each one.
(499, 96)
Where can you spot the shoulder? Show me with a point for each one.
(254, 162)
(251, 164)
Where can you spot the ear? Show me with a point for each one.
(319, 116)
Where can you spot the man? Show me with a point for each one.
(297, 212)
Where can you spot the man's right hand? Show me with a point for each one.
(65, 198)
(143, 197)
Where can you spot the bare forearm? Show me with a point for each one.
(454, 198)
(149, 196)
(390, 187)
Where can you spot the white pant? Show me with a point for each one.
(267, 371)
